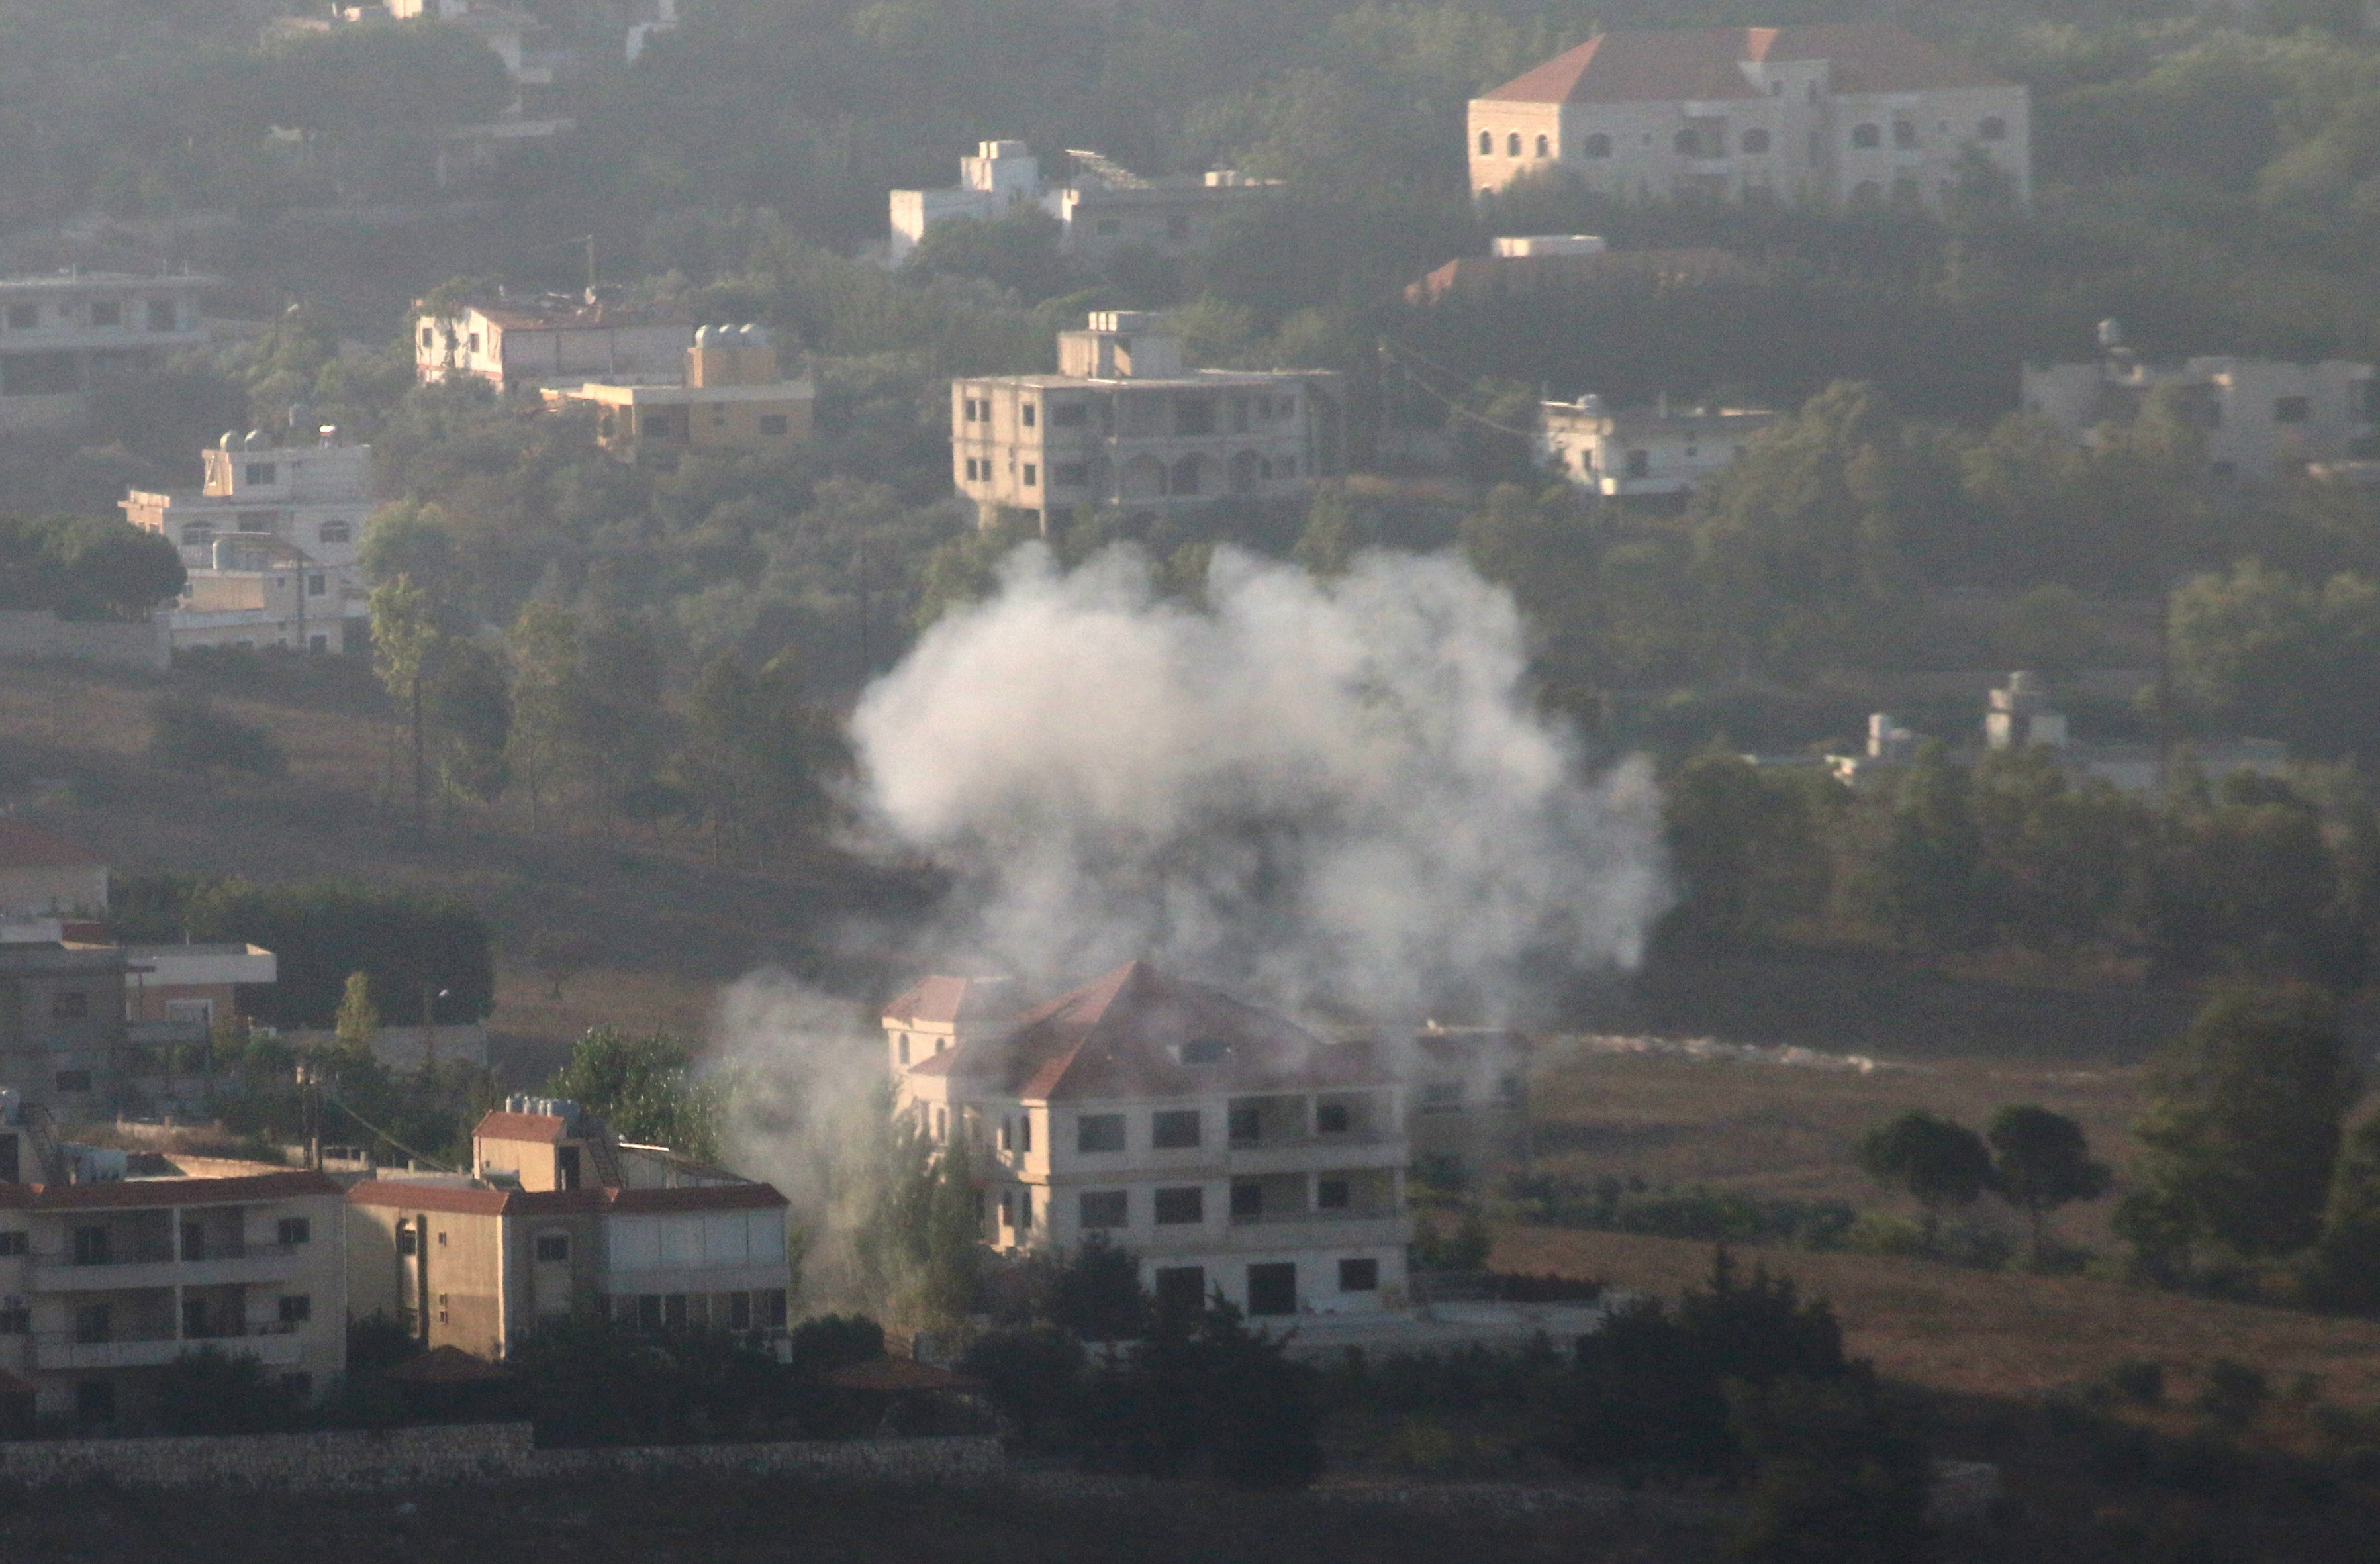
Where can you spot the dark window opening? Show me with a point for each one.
(1359, 1276)
(554, 1246)
(1333, 1118)
(1174, 1129)
(1272, 1289)
(1106, 1208)
(1247, 1198)
(1099, 1132)
(1205, 1051)
(1175, 1207)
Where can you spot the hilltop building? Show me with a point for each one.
(1124, 422)
(1225, 1147)
(550, 340)
(108, 1274)
(1101, 209)
(557, 1215)
(1655, 450)
(60, 335)
(1856, 115)
(733, 396)
(269, 542)
(1530, 265)
(2260, 418)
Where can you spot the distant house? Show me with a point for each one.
(1655, 450)
(557, 1216)
(61, 336)
(41, 875)
(1125, 422)
(732, 396)
(550, 340)
(1862, 115)
(2259, 416)
(1103, 208)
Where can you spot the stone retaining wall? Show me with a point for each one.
(467, 1452)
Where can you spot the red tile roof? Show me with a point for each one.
(23, 847)
(1659, 65)
(1122, 1035)
(135, 1193)
(482, 1200)
(542, 1128)
(945, 1001)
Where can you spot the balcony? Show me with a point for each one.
(158, 1266)
(273, 1347)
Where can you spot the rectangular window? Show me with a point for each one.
(161, 315)
(1273, 1290)
(17, 1321)
(775, 426)
(194, 1240)
(297, 1308)
(1024, 1131)
(92, 1325)
(673, 1310)
(1099, 1132)
(1359, 1276)
(773, 1308)
(1026, 413)
(13, 1241)
(1333, 1195)
(1172, 1128)
(1177, 1207)
(1025, 1211)
(74, 1081)
(1247, 1199)
(316, 585)
(1032, 475)
(2292, 409)
(1106, 1208)
(1246, 1124)
(262, 472)
(1333, 1118)
(73, 1006)
(106, 312)
(739, 1311)
(1442, 1096)
(649, 1312)
(554, 1246)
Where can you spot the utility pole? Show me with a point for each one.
(310, 1102)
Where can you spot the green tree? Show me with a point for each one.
(405, 644)
(1744, 845)
(1335, 532)
(468, 705)
(539, 744)
(358, 1024)
(209, 1392)
(1941, 1165)
(1929, 875)
(1096, 1292)
(1840, 1474)
(643, 1086)
(2042, 1162)
(2347, 1261)
(2240, 1140)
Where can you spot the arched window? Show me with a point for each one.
(1992, 129)
(1185, 476)
(1755, 142)
(1512, 144)
(1544, 150)
(1596, 145)
(1487, 143)
(1867, 136)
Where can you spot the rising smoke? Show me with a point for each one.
(1330, 796)
(1334, 798)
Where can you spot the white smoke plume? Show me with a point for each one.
(1325, 795)
(1332, 797)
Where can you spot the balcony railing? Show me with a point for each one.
(1350, 1213)
(163, 1254)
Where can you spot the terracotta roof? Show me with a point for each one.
(1661, 64)
(129, 1193)
(899, 1376)
(1123, 1035)
(486, 1201)
(945, 1001)
(544, 1128)
(23, 847)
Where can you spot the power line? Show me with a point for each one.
(1391, 351)
(368, 1124)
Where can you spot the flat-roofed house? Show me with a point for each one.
(64, 334)
(1227, 1148)
(553, 340)
(1855, 115)
(558, 1217)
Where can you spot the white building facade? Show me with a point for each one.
(1225, 1147)
(1655, 450)
(271, 543)
(1852, 116)
(1124, 422)
(553, 340)
(2259, 416)
(1103, 208)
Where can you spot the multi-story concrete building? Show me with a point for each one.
(732, 397)
(551, 340)
(63, 1038)
(105, 1279)
(1223, 1146)
(1102, 209)
(558, 1217)
(269, 542)
(1655, 450)
(1124, 422)
(60, 335)
(2259, 416)
(1856, 115)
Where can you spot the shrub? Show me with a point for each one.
(1841, 1473)
(209, 1392)
(2233, 1393)
(1096, 1292)
(2138, 1381)
(187, 733)
(1032, 1377)
(819, 1345)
